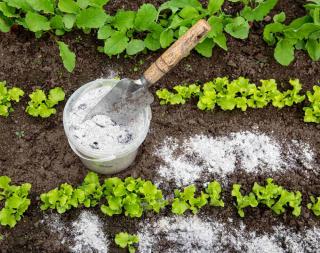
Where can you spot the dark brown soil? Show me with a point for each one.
(44, 158)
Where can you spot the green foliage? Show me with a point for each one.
(214, 191)
(277, 198)
(314, 206)
(131, 196)
(67, 56)
(243, 201)
(239, 93)
(130, 31)
(301, 34)
(65, 197)
(16, 201)
(186, 200)
(312, 111)
(42, 106)
(7, 96)
(126, 240)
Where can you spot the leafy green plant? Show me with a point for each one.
(314, 206)
(186, 200)
(66, 197)
(42, 106)
(214, 191)
(128, 31)
(243, 201)
(312, 112)
(277, 198)
(131, 196)
(6, 98)
(125, 240)
(239, 93)
(16, 201)
(301, 34)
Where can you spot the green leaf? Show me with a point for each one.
(116, 44)
(279, 18)
(67, 56)
(36, 22)
(5, 26)
(284, 52)
(15, 94)
(258, 13)
(189, 12)
(145, 17)
(205, 47)
(69, 20)
(238, 28)
(68, 6)
(124, 20)
(313, 48)
(55, 96)
(135, 46)
(152, 42)
(166, 38)
(215, 6)
(42, 5)
(91, 18)
(105, 32)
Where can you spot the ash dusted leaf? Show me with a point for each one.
(135, 46)
(36, 22)
(116, 44)
(91, 18)
(67, 56)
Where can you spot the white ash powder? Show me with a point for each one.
(85, 233)
(203, 155)
(100, 134)
(192, 234)
(88, 234)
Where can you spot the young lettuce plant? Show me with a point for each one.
(312, 111)
(66, 197)
(314, 206)
(131, 196)
(214, 192)
(42, 106)
(125, 240)
(186, 200)
(7, 96)
(243, 201)
(277, 198)
(16, 201)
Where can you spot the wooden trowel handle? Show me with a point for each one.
(180, 49)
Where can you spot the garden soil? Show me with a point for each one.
(43, 157)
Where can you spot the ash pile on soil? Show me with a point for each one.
(85, 234)
(192, 234)
(100, 134)
(203, 156)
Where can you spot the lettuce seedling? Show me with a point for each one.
(7, 96)
(42, 106)
(277, 198)
(127, 240)
(131, 196)
(243, 201)
(314, 206)
(186, 200)
(214, 192)
(66, 197)
(16, 201)
(312, 112)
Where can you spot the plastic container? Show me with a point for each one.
(97, 161)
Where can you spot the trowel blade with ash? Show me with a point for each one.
(129, 97)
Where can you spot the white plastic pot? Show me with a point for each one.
(97, 161)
